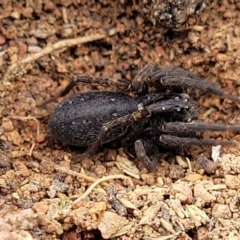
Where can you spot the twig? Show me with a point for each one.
(90, 179)
(28, 118)
(31, 149)
(189, 164)
(75, 174)
(48, 49)
(103, 179)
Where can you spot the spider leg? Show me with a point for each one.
(140, 82)
(170, 105)
(142, 156)
(175, 141)
(123, 85)
(2, 145)
(182, 78)
(121, 122)
(137, 85)
(198, 126)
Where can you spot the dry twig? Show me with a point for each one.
(15, 67)
(103, 179)
(75, 174)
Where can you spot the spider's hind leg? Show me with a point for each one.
(121, 84)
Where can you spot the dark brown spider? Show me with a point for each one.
(145, 123)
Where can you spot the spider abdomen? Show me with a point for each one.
(78, 119)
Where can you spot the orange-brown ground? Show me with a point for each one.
(43, 194)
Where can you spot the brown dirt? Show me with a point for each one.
(43, 194)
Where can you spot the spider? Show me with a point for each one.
(147, 122)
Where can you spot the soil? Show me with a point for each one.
(44, 194)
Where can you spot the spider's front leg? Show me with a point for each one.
(140, 82)
(151, 75)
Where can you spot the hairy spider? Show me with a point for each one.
(146, 122)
